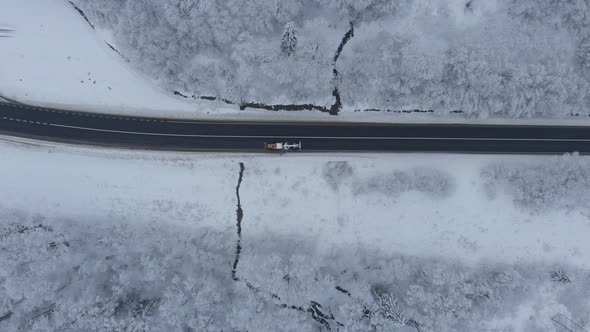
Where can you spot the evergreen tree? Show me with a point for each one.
(289, 39)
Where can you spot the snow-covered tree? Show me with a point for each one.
(562, 182)
(289, 39)
(583, 54)
(513, 58)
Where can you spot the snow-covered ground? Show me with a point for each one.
(412, 229)
(54, 58)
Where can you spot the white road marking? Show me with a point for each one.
(325, 137)
(81, 114)
(263, 123)
(27, 121)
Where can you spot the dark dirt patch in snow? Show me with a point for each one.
(342, 290)
(347, 36)
(209, 98)
(280, 107)
(117, 51)
(6, 316)
(239, 217)
(81, 12)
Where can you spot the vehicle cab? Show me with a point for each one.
(282, 146)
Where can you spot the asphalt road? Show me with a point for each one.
(168, 134)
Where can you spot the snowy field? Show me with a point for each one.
(54, 58)
(98, 239)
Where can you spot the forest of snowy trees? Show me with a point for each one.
(562, 183)
(101, 275)
(115, 273)
(503, 58)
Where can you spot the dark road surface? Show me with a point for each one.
(249, 136)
